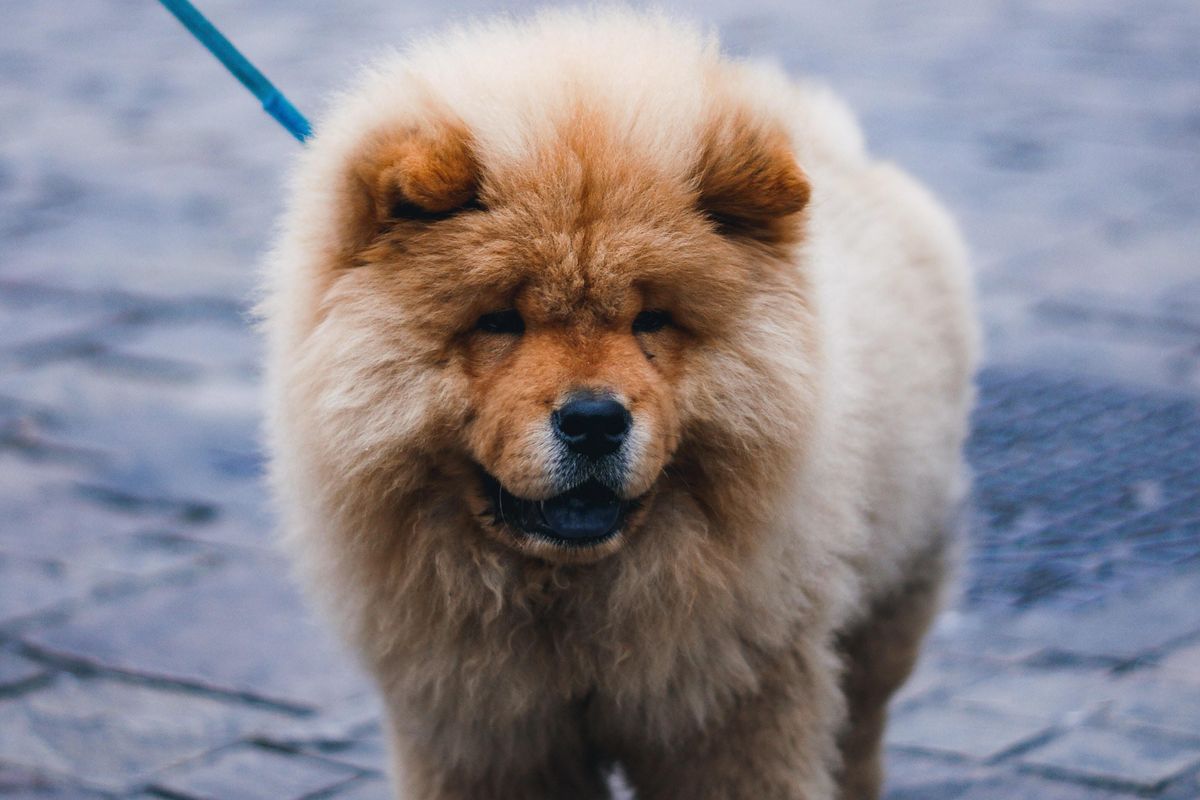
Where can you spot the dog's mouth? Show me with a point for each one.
(584, 516)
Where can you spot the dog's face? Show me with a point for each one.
(575, 317)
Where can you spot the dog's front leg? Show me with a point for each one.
(542, 759)
(778, 743)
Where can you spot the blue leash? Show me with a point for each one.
(273, 101)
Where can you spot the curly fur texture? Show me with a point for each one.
(795, 451)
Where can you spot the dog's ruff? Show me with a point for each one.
(793, 467)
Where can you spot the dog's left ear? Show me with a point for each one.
(749, 181)
(408, 175)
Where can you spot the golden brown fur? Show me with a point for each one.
(796, 429)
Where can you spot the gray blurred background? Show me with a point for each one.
(150, 641)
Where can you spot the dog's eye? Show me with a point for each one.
(651, 321)
(506, 321)
(406, 210)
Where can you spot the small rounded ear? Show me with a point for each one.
(750, 183)
(408, 174)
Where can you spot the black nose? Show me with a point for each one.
(592, 425)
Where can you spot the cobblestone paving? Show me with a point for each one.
(151, 644)
(1081, 487)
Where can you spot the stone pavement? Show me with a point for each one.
(151, 644)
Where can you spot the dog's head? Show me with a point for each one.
(557, 305)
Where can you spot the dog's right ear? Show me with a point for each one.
(408, 175)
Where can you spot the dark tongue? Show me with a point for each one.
(588, 511)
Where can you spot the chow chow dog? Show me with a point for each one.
(616, 401)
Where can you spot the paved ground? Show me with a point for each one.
(150, 643)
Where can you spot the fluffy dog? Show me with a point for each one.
(616, 400)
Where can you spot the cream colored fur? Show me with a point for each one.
(706, 669)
